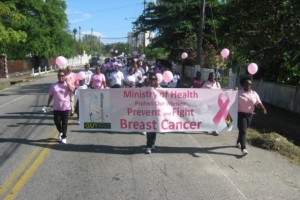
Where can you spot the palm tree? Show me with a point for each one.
(74, 31)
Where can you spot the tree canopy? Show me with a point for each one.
(35, 28)
(264, 32)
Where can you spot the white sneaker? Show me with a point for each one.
(238, 145)
(244, 151)
(148, 150)
(59, 137)
(153, 147)
(144, 133)
(64, 141)
(216, 133)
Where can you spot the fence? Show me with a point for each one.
(17, 68)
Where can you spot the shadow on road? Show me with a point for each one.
(52, 143)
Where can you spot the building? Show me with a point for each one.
(141, 40)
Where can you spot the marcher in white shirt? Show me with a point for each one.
(116, 78)
(211, 83)
(88, 74)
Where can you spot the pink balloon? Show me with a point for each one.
(252, 68)
(184, 55)
(159, 77)
(61, 62)
(167, 76)
(225, 53)
(81, 75)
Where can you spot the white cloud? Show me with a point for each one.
(76, 16)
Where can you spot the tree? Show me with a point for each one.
(177, 26)
(45, 24)
(92, 44)
(10, 21)
(266, 32)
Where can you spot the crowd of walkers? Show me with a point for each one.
(132, 73)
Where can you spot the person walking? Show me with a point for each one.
(80, 86)
(151, 136)
(60, 93)
(197, 82)
(248, 100)
(88, 74)
(98, 80)
(211, 83)
(72, 78)
(117, 77)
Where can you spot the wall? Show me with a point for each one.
(21, 67)
(283, 96)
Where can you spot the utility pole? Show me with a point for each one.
(91, 41)
(79, 34)
(145, 31)
(200, 33)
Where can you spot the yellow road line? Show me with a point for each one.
(23, 180)
(18, 171)
(27, 174)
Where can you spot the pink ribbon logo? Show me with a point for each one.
(223, 112)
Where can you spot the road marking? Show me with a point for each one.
(16, 99)
(26, 173)
(231, 182)
(18, 171)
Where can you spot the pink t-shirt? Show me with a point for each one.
(211, 85)
(61, 96)
(97, 81)
(197, 83)
(247, 101)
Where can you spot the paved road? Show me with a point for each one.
(95, 165)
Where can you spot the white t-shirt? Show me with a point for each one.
(116, 78)
(88, 76)
(78, 88)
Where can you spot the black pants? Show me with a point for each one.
(61, 121)
(77, 108)
(116, 86)
(151, 137)
(244, 120)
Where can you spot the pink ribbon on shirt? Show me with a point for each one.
(223, 112)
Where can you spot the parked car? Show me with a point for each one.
(94, 61)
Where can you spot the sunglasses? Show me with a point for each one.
(61, 75)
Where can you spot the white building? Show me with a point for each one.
(140, 40)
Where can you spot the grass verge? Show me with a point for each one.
(275, 142)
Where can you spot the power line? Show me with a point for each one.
(108, 38)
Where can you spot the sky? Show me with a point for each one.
(109, 19)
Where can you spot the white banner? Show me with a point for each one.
(158, 110)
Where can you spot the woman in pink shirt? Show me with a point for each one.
(248, 100)
(98, 80)
(60, 93)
